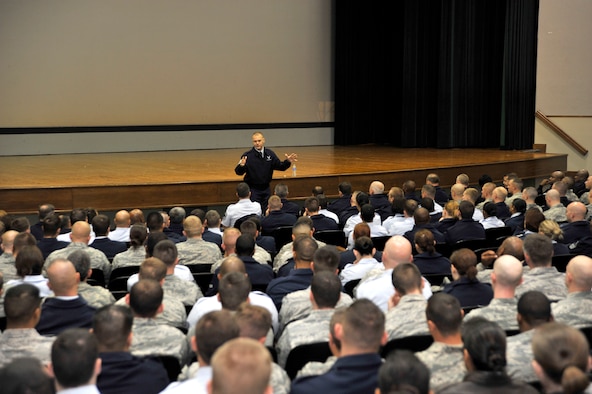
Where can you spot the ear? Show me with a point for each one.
(127, 298)
(209, 387)
(218, 297)
(493, 278)
(538, 370)
(384, 339)
(468, 361)
(194, 344)
(128, 341)
(160, 309)
(338, 331)
(98, 364)
(50, 370)
(431, 326)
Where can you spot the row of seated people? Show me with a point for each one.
(408, 313)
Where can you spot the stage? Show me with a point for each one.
(112, 181)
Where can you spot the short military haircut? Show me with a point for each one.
(322, 201)
(241, 365)
(274, 203)
(81, 261)
(305, 247)
(112, 325)
(362, 199)
(248, 227)
(467, 209)
(535, 308)
(490, 209)
(20, 302)
(154, 221)
(398, 205)
(410, 207)
(254, 321)
(152, 239)
(213, 218)
(326, 289)
(177, 214)
(26, 375)
(421, 216)
(242, 190)
(519, 205)
(51, 224)
(363, 325)
(78, 215)
(518, 183)
(281, 190)
(166, 251)
(367, 213)
(245, 245)
(345, 188)
(364, 246)
(138, 235)
(73, 357)
(539, 248)
(137, 217)
(406, 278)
(20, 224)
(213, 330)
(312, 204)
(21, 240)
(403, 372)
(427, 203)
(428, 191)
(232, 264)
(472, 193)
(303, 225)
(29, 261)
(445, 312)
(152, 268)
(145, 297)
(192, 226)
(433, 178)
(100, 224)
(234, 289)
(326, 259)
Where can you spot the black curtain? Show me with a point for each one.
(449, 73)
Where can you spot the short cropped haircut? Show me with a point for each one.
(326, 289)
(166, 251)
(254, 321)
(305, 247)
(467, 209)
(81, 261)
(154, 221)
(73, 357)
(245, 245)
(152, 239)
(145, 297)
(212, 331)
(152, 268)
(242, 190)
(364, 246)
(51, 224)
(100, 224)
(406, 277)
(312, 204)
(539, 248)
(534, 307)
(445, 312)
(234, 289)
(326, 259)
(20, 302)
(363, 325)
(403, 372)
(345, 188)
(112, 325)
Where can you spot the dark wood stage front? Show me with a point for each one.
(112, 181)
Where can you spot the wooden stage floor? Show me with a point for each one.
(112, 181)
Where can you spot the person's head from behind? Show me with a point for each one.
(507, 272)
(254, 321)
(145, 298)
(304, 248)
(367, 213)
(325, 290)
(212, 331)
(550, 228)
(312, 205)
(362, 330)
(166, 251)
(245, 245)
(22, 306)
(63, 278)
(152, 268)
(241, 365)
(100, 225)
(538, 250)
(51, 225)
(561, 358)
(444, 314)
(532, 219)
(402, 372)
(81, 261)
(138, 235)
(467, 209)
(112, 326)
(21, 240)
(364, 246)
(26, 375)
(29, 261)
(484, 345)
(361, 230)
(464, 264)
(74, 359)
(424, 241)
(192, 226)
(325, 259)
(154, 222)
(406, 279)
(152, 239)
(233, 290)
(534, 309)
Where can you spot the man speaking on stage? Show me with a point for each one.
(257, 165)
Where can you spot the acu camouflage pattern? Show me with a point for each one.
(130, 258)
(315, 368)
(182, 290)
(98, 260)
(519, 357)
(575, 310)
(153, 339)
(407, 318)
(557, 213)
(547, 280)
(500, 310)
(7, 267)
(95, 296)
(24, 342)
(446, 364)
(198, 251)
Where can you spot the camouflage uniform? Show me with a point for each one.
(98, 260)
(557, 213)
(500, 310)
(7, 267)
(407, 318)
(519, 357)
(153, 339)
(183, 290)
(130, 258)
(484, 276)
(24, 342)
(297, 306)
(286, 254)
(260, 255)
(198, 251)
(173, 314)
(585, 198)
(315, 368)
(446, 364)
(279, 380)
(313, 329)
(547, 280)
(533, 205)
(95, 296)
(575, 310)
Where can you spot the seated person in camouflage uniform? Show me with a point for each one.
(506, 276)
(534, 310)
(576, 309)
(96, 296)
(406, 315)
(136, 252)
(195, 250)
(444, 357)
(22, 306)
(325, 292)
(151, 338)
(542, 276)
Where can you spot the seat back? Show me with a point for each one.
(379, 242)
(414, 343)
(472, 244)
(349, 287)
(282, 236)
(437, 279)
(171, 364)
(240, 221)
(496, 235)
(332, 237)
(96, 278)
(300, 355)
(202, 275)
(560, 261)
